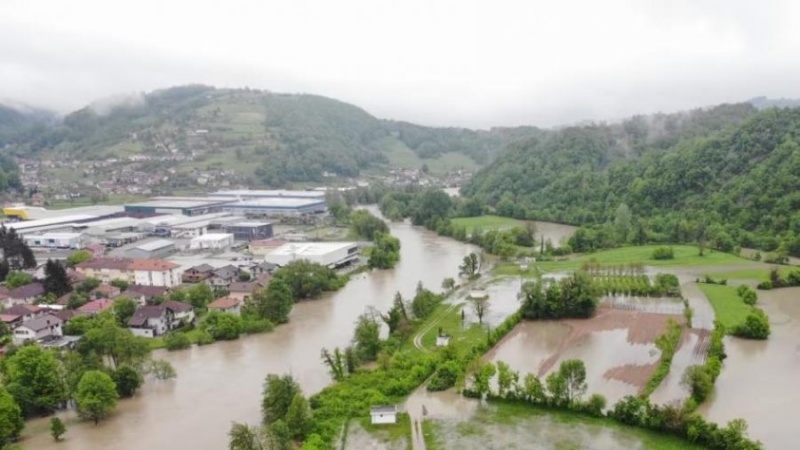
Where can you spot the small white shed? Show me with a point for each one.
(442, 340)
(383, 414)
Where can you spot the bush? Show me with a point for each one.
(253, 326)
(177, 341)
(445, 376)
(747, 295)
(663, 253)
(205, 338)
(755, 326)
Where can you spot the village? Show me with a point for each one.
(231, 241)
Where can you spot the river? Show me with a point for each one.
(221, 383)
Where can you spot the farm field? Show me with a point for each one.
(728, 307)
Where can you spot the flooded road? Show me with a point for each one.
(759, 379)
(221, 383)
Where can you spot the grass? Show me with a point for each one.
(511, 413)
(685, 256)
(760, 274)
(486, 222)
(430, 433)
(460, 337)
(728, 307)
(400, 156)
(158, 342)
(389, 433)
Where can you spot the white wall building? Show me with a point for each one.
(35, 329)
(383, 414)
(54, 240)
(155, 272)
(331, 254)
(212, 241)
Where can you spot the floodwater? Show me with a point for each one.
(221, 383)
(691, 352)
(759, 379)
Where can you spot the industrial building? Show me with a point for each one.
(330, 254)
(24, 212)
(54, 240)
(249, 231)
(277, 207)
(51, 224)
(187, 206)
(247, 194)
(151, 250)
(212, 241)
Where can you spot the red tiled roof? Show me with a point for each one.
(27, 291)
(152, 265)
(96, 305)
(268, 243)
(105, 263)
(224, 303)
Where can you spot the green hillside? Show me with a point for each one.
(272, 138)
(726, 176)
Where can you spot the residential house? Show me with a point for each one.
(4, 296)
(243, 290)
(383, 414)
(263, 268)
(227, 305)
(145, 294)
(96, 306)
(25, 294)
(197, 273)
(155, 272)
(105, 291)
(105, 269)
(183, 313)
(37, 329)
(24, 311)
(223, 277)
(12, 321)
(151, 321)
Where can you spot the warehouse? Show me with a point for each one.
(24, 212)
(247, 194)
(52, 224)
(151, 250)
(54, 240)
(212, 241)
(277, 207)
(249, 231)
(178, 205)
(330, 254)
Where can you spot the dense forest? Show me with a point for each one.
(727, 176)
(284, 137)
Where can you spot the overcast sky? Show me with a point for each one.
(436, 62)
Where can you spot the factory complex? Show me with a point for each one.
(194, 227)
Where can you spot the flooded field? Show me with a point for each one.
(692, 351)
(506, 426)
(759, 379)
(617, 347)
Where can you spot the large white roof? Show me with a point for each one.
(212, 237)
(300, 249)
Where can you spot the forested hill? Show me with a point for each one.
(275, 138)
(728, 175)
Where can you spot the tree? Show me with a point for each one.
(573, 373)
(366, 225)
(367, 337)
(279, 392)
(16, 254)
(11, 421)
(622, 222)
(33, 377)
(308, 280)
(244, 276)
(162, 370)
(120, 284)
(128, 380)
(425, 302)
(124, 308)
(481, 378)
(96, 396)
(222, 326)
(275, 302)
(199, 295)
(480, 306)
(298, 417)
(17, 279)
(471, 266)
(177, 341)
(385, 253)
(77, 257)
(56, 281)
(755, 326)
(117, 345)
(335, 362)
(448, 284)
(57, 428)
(244, 437)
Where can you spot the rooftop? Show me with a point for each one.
(277, 202)
(54, 235)
(301, 249)
(383, 409)
(249, 224)
(224, 303)
(105, 263)
(273, 243)
(143, 313)
(29, 224)
(96, 305)
(152, 264)
(154, 245)
(42, 322)
(177, 203)
(212, 237)
(253, 193)
(29, 290)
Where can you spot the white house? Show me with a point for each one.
(150, 321)
(36, 329)
(212, 241)
(383, 414)
(155, 272)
